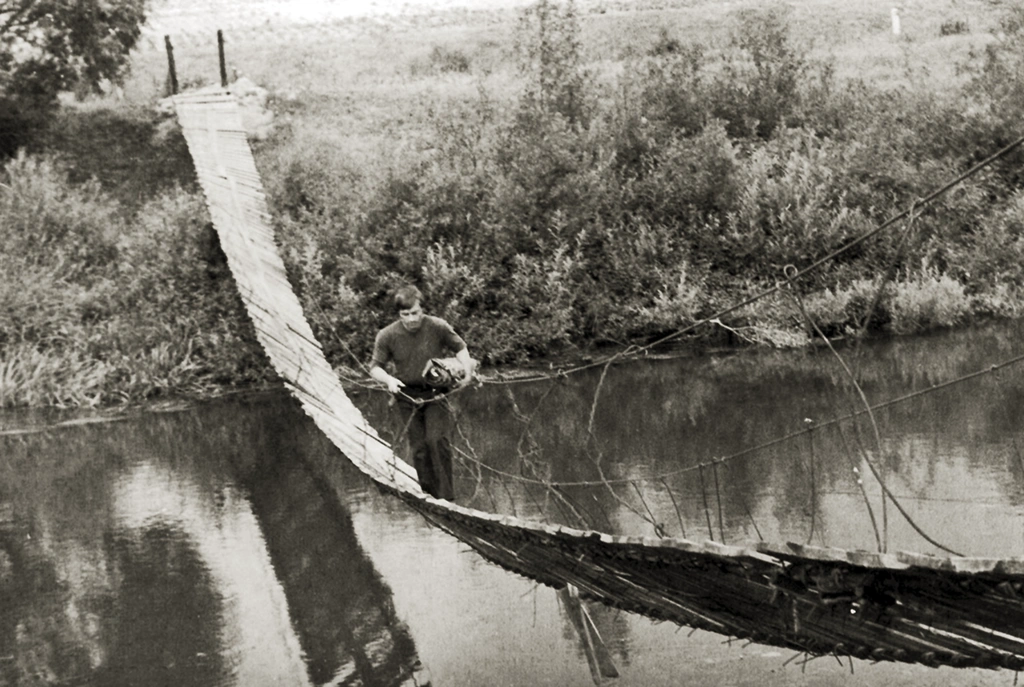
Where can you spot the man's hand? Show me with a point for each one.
(392, 383)
(470, 375)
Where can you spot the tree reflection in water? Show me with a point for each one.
(131, 554)
(142, 610)
(164, 626)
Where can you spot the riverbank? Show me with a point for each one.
(558, 183)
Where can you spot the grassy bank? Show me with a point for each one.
(554, 180)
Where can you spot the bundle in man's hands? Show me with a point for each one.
(446, 373)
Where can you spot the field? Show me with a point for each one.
(556, 177)
(368, 69)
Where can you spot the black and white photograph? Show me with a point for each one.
(511, 343)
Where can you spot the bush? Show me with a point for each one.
(930, 301)
(759, 86)
(104, 309)
(791, 206)
(689, 180)
(534, 312)
(49, 223)
(665, 45)
(449, 60)
(953, 27)
(676, 305)
(842, 310)
(182, 305)
(551, 63)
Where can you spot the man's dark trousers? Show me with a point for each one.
(428, 427)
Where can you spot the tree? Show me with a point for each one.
(49, 46)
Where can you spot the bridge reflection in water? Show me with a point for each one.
(191, 548)
(340, 607)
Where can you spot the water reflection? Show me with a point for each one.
(91, 595)
(187, 549)
(232, 545)
(596, 630)
(160, 622)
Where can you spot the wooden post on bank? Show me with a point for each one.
(172, 75)
(220, 55)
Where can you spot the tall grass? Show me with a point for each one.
(100, 308)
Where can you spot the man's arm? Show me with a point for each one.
(381, 356)
(381, 375)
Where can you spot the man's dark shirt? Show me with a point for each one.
(410, 351)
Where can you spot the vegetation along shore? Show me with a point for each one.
(556, 177)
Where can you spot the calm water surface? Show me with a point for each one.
(198, 547)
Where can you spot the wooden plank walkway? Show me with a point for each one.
(895, 606)
(227, 173)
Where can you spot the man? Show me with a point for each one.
(409, 344)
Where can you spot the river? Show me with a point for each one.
(198, 547)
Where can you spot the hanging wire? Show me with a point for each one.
(659, 529)
(718, 499)
(863, 489)
(597, 395)
(679, 514)
(878, 439)
(814, 494)
(751, 516)
(704, 496)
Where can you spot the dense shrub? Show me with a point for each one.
(97, 308)
(759, 86)
(586, 212)
(953, 27)
(846, 310)
(931, 301)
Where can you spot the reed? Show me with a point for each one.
(30, 377)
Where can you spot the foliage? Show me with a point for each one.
(69, 230)
(841, 311)
(587, 212)
(760, 84)
(953, 27)
(563, 206)
(931, 301)
(550, 57)
(99, 308)
(449, 60)
(47, 46)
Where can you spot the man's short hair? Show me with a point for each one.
(407, 297)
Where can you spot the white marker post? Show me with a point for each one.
(895, 21)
